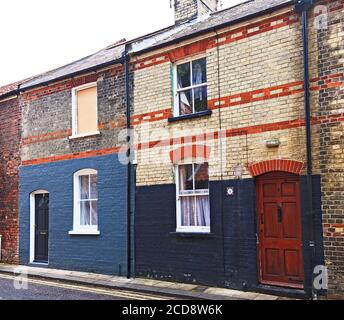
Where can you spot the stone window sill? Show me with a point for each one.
(84, 233)
(84, 135)
(191, 116)
(192, 234)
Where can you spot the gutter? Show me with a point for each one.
(302, 7)
(71, 75)
(9, 94)
(222, 25)
(126, 62)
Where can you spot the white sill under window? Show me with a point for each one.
(83, 232)
(84, 135)
(193, 230)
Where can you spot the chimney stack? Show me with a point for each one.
(186, 10)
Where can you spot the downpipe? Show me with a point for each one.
(128, 125)
(302, 7)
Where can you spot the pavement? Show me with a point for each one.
(147, 286)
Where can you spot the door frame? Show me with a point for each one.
(32, 224)
(259, 254)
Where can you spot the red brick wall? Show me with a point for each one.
(9, 163)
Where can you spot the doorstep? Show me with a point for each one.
(181, 290)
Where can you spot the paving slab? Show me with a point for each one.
(189, 291)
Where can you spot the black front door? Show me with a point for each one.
(41, 227)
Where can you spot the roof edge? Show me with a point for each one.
(23, 88)
(222, 25)
(9, 94)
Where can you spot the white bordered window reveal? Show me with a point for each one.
(191, 89)
(85, 110)
(85, 202)
(193, 203)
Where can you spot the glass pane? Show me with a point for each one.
(199, 71)
(183, 75)
(203, 211)
(85, 213)
(185, 178)
(185, 102)
(94, 213)
(84, 187)
(94, 191)
(201, 99)
(188, 211)
(201, 176)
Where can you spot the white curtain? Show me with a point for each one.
(203, 211)
(85, 213)
(195, 211)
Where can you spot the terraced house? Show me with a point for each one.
(239, 145)
(73, 190)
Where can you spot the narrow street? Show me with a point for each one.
(37, 289)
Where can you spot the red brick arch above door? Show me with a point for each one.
(187, 152)
(292, 166)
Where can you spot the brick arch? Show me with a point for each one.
(194, 151)
(259, 168)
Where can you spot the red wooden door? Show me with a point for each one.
(279, 227)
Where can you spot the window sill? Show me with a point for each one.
(195, 234)
(84, 233)
(191, 116)
(84, 135)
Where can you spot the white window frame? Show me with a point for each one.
(77, 228)
(175, 84)
(180, 227)
(75, 90)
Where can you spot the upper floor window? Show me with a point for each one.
(85, 202)
(85, 110)
(191, 87)
(193, 207)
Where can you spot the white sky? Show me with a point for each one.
(40, 35)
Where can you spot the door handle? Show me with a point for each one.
(280, 213)
(43, 233)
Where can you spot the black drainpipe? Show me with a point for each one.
(127, 102)
(302, 7)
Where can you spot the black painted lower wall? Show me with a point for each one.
(228, 256)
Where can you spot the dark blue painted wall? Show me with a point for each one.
(228, 257)
(163, 254)
(105, 253)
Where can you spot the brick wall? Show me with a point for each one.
(105, 253)
(331, 155)
(9, 163)
(255, 92)
(47, 118)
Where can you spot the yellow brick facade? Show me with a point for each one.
(262, 61)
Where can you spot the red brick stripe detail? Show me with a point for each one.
(202, 137)
(267, 127)
(257, 169)
(237, 34)
(185, 152)
(47, 137)
(66, 85)
(150, 61)
(113, 124)
(151, 116)
(79, 155)
(211, 42)
(257, 95)
(320, 83)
